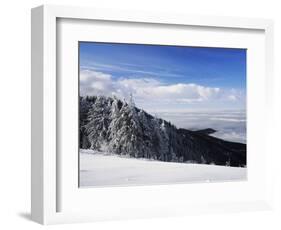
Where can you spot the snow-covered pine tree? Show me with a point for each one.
(98, 123)
(115, 126)
(129, 131)
(131, 101)
(85, 105)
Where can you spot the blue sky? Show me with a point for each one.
(175, 76)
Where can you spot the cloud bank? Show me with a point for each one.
(150, 90)
(230, 125)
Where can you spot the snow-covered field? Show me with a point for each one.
(99, 169)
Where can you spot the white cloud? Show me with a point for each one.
(232, 97)
(227, 119)
(150, 90)
(92, 82)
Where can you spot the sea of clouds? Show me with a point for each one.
(230, 125)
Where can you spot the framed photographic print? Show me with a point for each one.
(153, 114)
(138, 115)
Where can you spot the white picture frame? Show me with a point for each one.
(47, 177)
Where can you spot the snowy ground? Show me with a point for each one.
(99, 169)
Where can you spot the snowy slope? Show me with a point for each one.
(99, 169)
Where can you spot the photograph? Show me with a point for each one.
(161, 114)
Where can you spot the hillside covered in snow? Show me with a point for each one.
(105, 169)
(112, 125)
